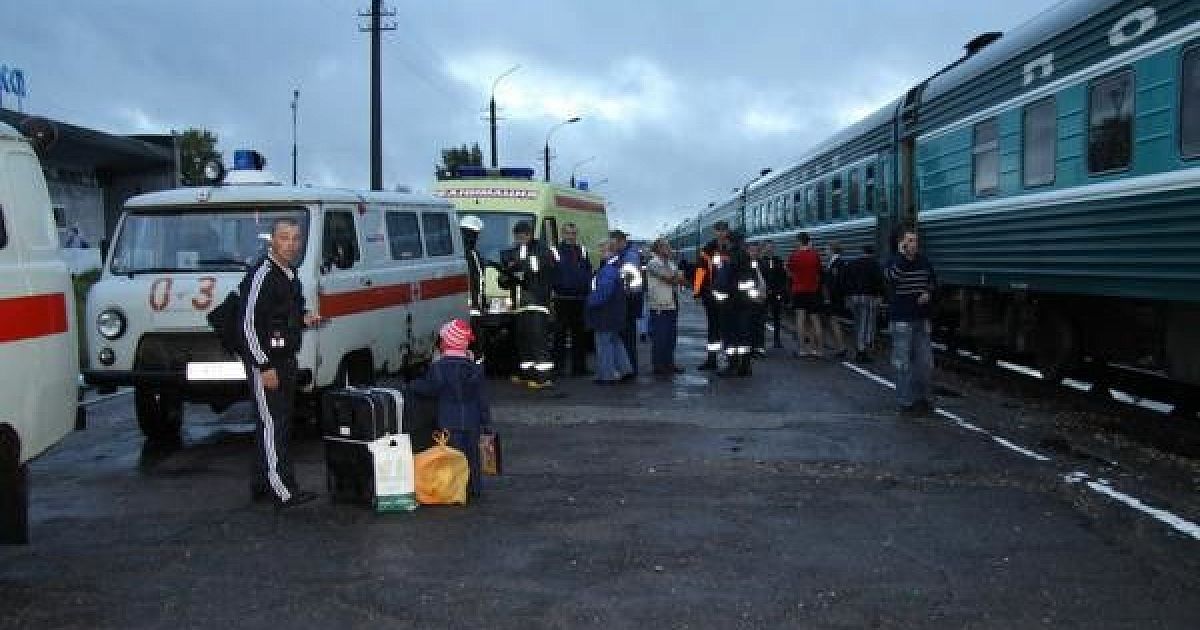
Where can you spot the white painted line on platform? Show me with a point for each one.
(870, 375)
(100, 399)
(1100, 486)
(1020, 449)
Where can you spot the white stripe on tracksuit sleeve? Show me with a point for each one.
(248, 329)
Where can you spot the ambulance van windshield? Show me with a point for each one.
(155, 240)
(497, 232)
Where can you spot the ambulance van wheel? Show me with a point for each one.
(159, 414)
(14, 491)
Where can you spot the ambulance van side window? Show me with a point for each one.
(438, 240)
(340, 242)
(404, 236)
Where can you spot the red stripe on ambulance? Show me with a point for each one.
(366, 300)
(32, 316)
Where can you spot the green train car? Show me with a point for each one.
(1054, 175)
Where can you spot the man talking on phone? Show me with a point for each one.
(911, 283)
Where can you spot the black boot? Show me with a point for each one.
(710, 363)
(744, 365)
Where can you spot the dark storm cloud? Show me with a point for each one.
(681, 101)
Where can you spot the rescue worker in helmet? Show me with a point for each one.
(528, 271)
(735, 289)
(470, 226)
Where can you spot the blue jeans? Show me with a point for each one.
(662, 336)
(611, 360)
(864, 308)
(912, 356)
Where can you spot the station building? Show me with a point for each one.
(91, 173)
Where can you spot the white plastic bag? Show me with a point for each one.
(395, 489)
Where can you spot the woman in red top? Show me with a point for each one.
(804, 265)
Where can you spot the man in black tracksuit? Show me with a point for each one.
(273, 317)
(529, 270)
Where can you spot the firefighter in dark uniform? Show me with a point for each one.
(735, 288)
(758, 305)
(273, 317)
(470, 226)
(702, 290)
(529, 271)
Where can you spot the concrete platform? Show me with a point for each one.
(796, 498)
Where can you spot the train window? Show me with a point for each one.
(404, 237)
(1189, 104)
(1040, 137)
(820, 195)
(987, 158)
(852, 191)
(1110, 123)
(438, 240)
(835, 201)
(869, 185)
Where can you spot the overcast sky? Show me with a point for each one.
(681, 100)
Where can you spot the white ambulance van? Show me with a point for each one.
(384, 269)
(39, 349)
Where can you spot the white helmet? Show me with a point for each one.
(471, 222)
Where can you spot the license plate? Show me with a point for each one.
(216, 371)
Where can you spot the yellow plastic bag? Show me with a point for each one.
(441, 473)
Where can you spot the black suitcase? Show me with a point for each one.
(363, 414)
(419, 421)
(349, 471)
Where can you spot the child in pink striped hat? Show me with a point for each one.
(458, 384)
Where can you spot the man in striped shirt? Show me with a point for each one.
(911, 283)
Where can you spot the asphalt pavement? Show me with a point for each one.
(797, 498)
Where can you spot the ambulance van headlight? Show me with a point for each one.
(110, 323)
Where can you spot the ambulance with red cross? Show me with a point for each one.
(384, 269)
(39, 349)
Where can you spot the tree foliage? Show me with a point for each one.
(196, 147)
(455, 157)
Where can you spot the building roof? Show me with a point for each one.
(88, 147)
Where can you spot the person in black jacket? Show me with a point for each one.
(863, 282)
(573, 277)
(775, 273)
(273, 317)
(529, 270)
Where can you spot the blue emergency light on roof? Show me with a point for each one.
(517, 173)
(248, 160)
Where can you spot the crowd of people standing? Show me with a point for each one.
(568, 302)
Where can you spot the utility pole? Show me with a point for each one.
(295, 106)
(376, 14)
(492, 109)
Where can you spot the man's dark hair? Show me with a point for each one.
(523, 227)
(282, 221)
(803, 238)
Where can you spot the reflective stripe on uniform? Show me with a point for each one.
(720, 296)
(543, 367)
(535, 308)
(713, 347)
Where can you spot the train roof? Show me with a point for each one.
(1044, 26)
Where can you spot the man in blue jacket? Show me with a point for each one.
(630, 266)
(911, 283)
(572, 278)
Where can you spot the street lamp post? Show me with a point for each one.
(546, 152)
(295, 106)
(492, 109)
(745, 189)
(576, 168)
